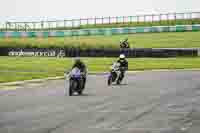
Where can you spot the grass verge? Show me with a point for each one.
(148, 40)
(27, 68)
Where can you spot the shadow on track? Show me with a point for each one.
(119, 84)
(83, 95)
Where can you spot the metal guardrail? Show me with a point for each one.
(84, 22)
(102, 31)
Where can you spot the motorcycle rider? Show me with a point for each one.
(123, 67)
(81, 65)
(124, 44)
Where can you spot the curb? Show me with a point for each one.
(29, 81)
(92, 73)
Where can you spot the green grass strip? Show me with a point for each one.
(26, 68)
(145, 40)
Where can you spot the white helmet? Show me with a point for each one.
(122, 56)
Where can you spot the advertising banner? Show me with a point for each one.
(73, 52)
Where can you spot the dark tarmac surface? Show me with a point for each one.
(147, 102)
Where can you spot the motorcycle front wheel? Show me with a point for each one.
(72, 87)
(109, 81)
(118, 82)
(70, 92)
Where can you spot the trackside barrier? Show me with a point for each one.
(73, 52)
(103, 31)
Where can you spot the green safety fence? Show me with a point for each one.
(103, 31)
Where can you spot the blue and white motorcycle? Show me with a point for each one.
(75, 81)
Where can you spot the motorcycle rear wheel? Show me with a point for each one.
(80, 92)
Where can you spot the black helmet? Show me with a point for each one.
(126, 39)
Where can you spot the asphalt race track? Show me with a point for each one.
(146, 102)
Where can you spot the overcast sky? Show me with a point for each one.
(30, 10)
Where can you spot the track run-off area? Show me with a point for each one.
(145, 102)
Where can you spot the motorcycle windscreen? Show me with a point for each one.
(76, 72)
